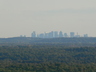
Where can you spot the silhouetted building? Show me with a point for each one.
(46, 35)
(33, 34)
(55, 34)
(77, 35)
(41, 35)
(60, 34)
(65, 35)
(50, 35)
(85, 35)
(72, 34)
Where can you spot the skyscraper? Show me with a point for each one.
(46, 35)
(33, 34)
(85, 35)
(77, 35)
(41, 35)
(72, 34)
(65, 35)
(50, 35)
(60, 34)
(55, 34)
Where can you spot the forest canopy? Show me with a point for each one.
(47, 58)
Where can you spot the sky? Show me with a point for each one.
(22, 17)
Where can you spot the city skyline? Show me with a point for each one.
(56, 34)
(21, 17)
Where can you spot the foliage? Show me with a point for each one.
(47, 58)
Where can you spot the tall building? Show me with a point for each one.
(50, 35)
(41, 35)
(55, 34)
(77, 35)
(33, 34)
(60, 34)
(72, 34)
(65, 35)
(85, 35)
(46, 35)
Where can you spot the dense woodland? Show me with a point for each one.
(47, 58)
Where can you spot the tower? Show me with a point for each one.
(72, 34)
(33, 34)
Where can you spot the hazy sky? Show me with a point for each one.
(21, 17)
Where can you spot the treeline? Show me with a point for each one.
(48, 67)
(48, 53)
(47, 58)
(30, 40)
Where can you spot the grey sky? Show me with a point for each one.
(21, 17)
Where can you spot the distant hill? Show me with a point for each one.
(48, 40)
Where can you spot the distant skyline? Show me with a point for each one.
(55, 34)
(22, 17)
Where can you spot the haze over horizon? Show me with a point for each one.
(22, 17)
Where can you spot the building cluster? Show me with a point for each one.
(55, 34)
